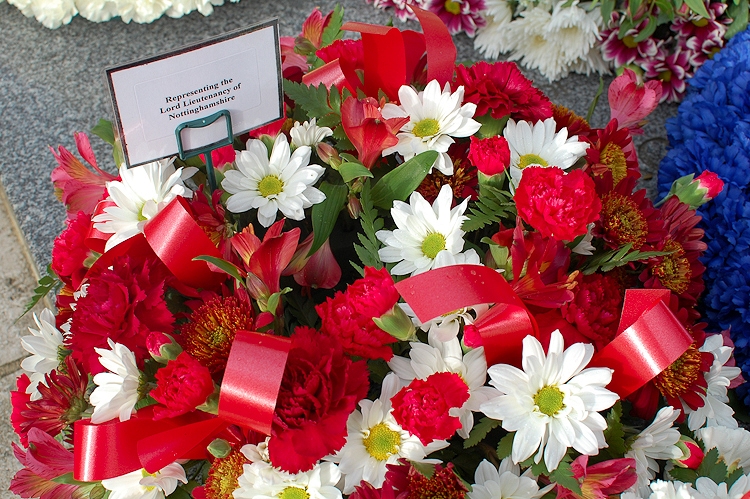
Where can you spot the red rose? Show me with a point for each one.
(348, 316)
(490, 156)
(126, 304)
(181, 386)
(321, 387)
(422, 408)
(69, 250)
(557, 204)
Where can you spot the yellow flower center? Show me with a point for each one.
(700, 22)
(270, 185)
(382, 442)
(427, 127)
(629, 42)
(530, 159)
(665, 76)
(674, 270)
(614, 158)
(549, 400)
(681, 375)
(294, 493)
(453, 7)
(433, 244)
(623, 221)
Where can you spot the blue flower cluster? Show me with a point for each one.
(712, 132)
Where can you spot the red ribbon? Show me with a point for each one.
(392, 57)
(174, 236)
(649, 339)
(446, 289)
(249, 391)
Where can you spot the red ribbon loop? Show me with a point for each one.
(446, 289)
(649, 339)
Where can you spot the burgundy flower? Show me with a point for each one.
(320, 388)
(181, 386)
(595, 310)
(444, 483)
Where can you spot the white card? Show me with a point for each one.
(238, 71)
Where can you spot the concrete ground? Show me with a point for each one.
(52, 84)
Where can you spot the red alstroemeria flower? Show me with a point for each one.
(366, 128)
(601, 480)
(76, 186)
(293, 65)
(265, 260)
(320, 270)
(631, 101)
(312, 28)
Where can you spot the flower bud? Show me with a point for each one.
(354, 207)
(219, 448)
(692, 455)
(328, 154)
(396, 323)
(162, 347)
(695, 192)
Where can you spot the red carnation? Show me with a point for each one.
(348, 316)
(70, 251)
(500, 88)
(595, 310)
(491, 156)
(320, 389)
(126, 304)
(422, 408)
(182, 385)
(557, 204)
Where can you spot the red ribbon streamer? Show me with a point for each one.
(249, 391)
(391, 57)
(174, 236)
(446, 289)
(649, 339)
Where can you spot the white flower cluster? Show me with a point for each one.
(54, 13)
(554, 37)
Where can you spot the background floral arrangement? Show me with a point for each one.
(710, 133)
(251, 364)
(662, 40)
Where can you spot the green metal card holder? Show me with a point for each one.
(205, 150)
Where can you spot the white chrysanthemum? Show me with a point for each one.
(374, 439)
(504, 483)
(44, 346)
(492, 40)
(661, 489)
(308, 133)
(139, 196)
(140, 484)
(715, 411)
(53, 13)
(181, 8)
(438, 357)
(434, 117)
(260, 480)
(142, 11)
(573, 30)
(711, 490)
(426, 236)
(24, 6)
(733, 445)
(657, 441)
(553, 403)
(446, 326)
(97, 10)
(116, 392)
(540, 145)
(282, 183)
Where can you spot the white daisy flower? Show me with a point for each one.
(139, 196)
(661, 489)
(540, 145)
(434, 117)
(282, 183)
(140, 484)
(439, 357)
(715, 411)
(426, 236)
(260, 479)
(492, 40)
(504, 483)
(656, 442)
(116, 392)
(446, 326)
(733, 445)
(374, 439)
(711, 490)
(308, 133)
(44, 345)
(553, 403)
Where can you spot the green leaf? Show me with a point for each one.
(595, 100)
(45, 285)
(350, 171)
(368, 250)
(739, 13)
(698, 7)
(733, 477)
(273, 301)
(224, 265)
(647, 31)
(633, 6)
(493, 206)
(609, 260)
(105, 131)
(505, 446)
(608, 6)
(145, 402)
(491, 127)
(403, 180)
(625, 25)
(709, 461)
(480, 430)
(333, 29)
(324, 214)
(685, 475)
(314, 100)
(614, 434)
(563, 476)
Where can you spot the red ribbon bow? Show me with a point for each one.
(249, 391)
